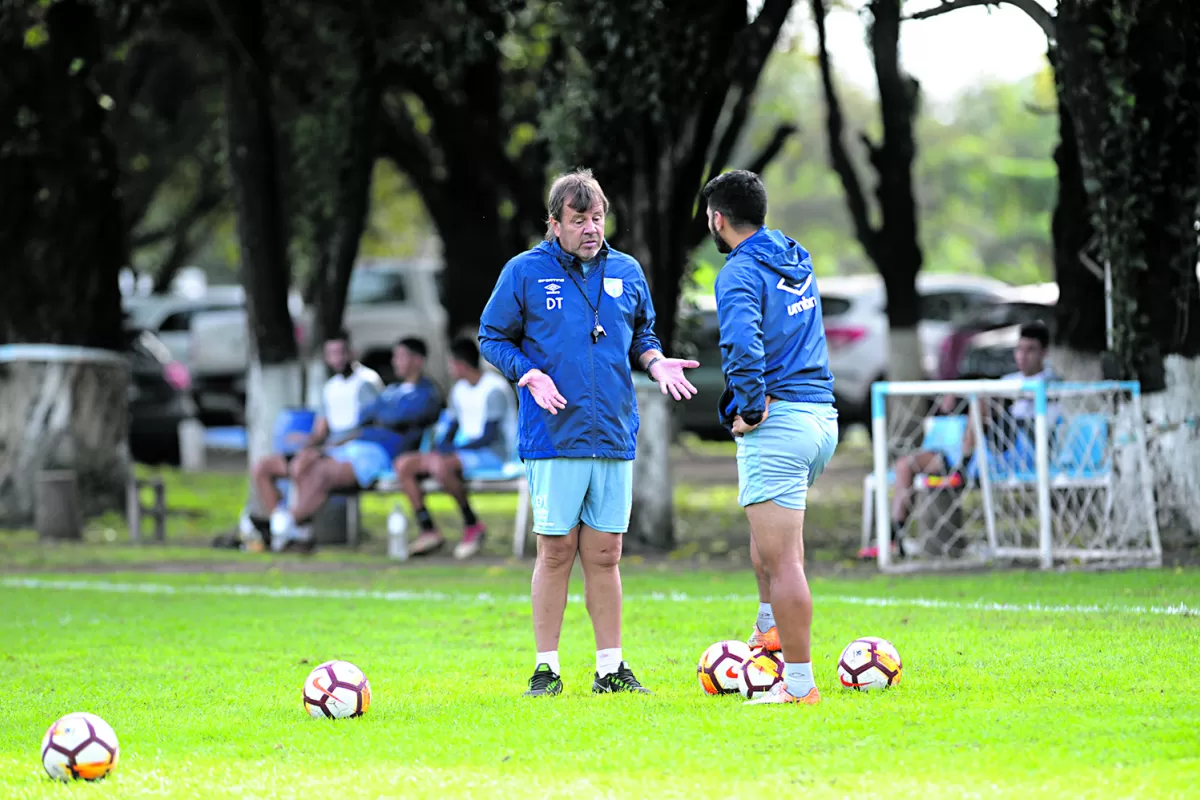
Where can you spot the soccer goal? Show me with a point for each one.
(1012, 471)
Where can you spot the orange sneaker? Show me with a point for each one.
(765, 640)
(779, 694)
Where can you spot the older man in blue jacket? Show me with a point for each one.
(563, 322)
(779, 406)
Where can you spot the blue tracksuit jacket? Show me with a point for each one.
(772, 333)
(538, 317)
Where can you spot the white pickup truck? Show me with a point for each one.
(387, 300)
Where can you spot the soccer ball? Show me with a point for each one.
(721, 665)
(760, 672)
(79, 745)
(336, 689)
(869, 663)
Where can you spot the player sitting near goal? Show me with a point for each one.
(393, 424)
(482, 420)
(351, 388)
(1030, 355)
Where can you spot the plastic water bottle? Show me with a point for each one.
(397, 527)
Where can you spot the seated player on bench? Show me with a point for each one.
(482, 419)
(1030, 356)
(393, 424)
(350, 388)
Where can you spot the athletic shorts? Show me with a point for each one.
(782, 457)
(476, 461)
(566, 491)
(369, 460)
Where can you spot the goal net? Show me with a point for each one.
(985, 472)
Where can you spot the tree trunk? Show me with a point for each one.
(64, 408)
(254, 171)
(1080, 310)
(352, 195)
(63, 244)
(1129, 83)
(898, 252)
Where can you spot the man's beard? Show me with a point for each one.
(722, 246)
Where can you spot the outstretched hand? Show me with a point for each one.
(669, 374)
(544, 392)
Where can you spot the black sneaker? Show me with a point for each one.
(620, 681)
(544, 681)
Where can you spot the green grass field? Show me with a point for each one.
(1015, 685)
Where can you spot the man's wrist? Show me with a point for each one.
(650, 365)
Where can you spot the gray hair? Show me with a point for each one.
(577, 190)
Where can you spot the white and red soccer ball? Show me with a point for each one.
(869, 663)
(80, 746)
(760, 672)
(336, 689)
(721, 665)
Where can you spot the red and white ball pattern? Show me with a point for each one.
(869, 663)
(338, 690)
(80, 746)
(721, 665)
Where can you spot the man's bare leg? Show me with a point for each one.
(323, 477)
(779, 535)
(265, 472)
(409, 469)
(765, 634)
(551, 579)
(600, 554)
(907, 468)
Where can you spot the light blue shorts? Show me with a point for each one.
(781, 458)
(477, 461)
(566, 491)
(369, 460)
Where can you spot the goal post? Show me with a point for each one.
(1009, 472)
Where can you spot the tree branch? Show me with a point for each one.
(783, 132)
(411, 152)
(856, 200)
(1044, 19)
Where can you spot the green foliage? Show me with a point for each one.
(984, 173)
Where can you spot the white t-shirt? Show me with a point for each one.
(490, 400)
(1023, 407)
(345, 396)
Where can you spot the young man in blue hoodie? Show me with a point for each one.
(778, 404)
(562, 323)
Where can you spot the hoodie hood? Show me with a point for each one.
(781, 254)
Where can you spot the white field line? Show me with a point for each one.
(401, 595)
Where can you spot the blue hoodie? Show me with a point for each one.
(538, 317)
(772, 333)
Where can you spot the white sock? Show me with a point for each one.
(607, 661)
(549, 657)
(798, 677)
(766, 617)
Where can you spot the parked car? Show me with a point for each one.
(389, 299)
(989, 353)
(159, 398)
(169, 316)
(386, 301)
(1020, 304)
(856, 329)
